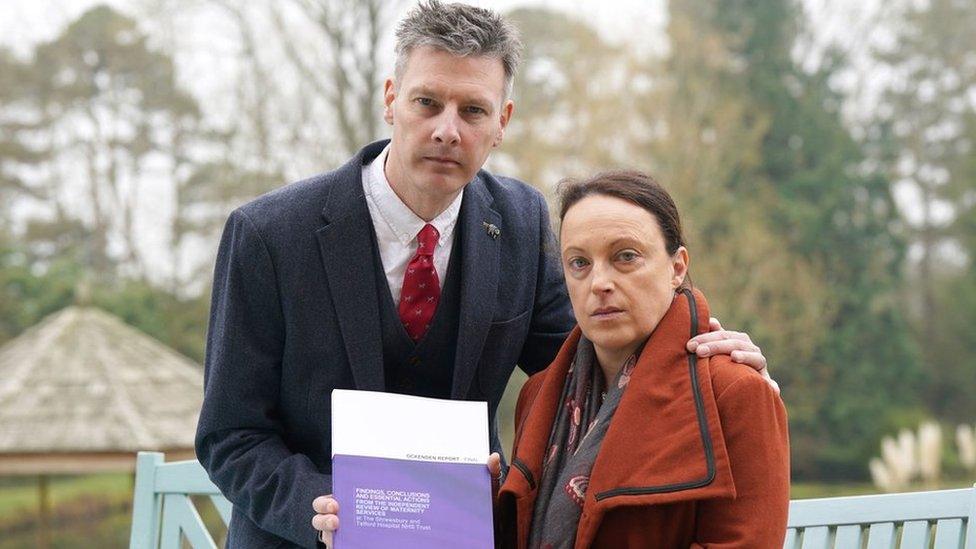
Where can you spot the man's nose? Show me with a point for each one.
(446, 130)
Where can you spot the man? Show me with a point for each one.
(409, 270)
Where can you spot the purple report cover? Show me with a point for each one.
(410, 472)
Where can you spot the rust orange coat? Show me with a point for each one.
(697, 454)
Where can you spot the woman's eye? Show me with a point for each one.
(577, 263)
(627, 255)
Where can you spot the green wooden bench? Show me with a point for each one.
(163, 514)
(941, 519)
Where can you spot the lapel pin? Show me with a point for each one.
(493, 231)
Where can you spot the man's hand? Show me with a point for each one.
(326, 519)
(495, 465)
(495, 470)
(736, 344)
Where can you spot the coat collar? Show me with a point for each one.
(479, 279)
(345, 242)
(665, 442)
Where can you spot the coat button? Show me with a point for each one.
(415, 361)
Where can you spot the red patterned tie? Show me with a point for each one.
(421, 289)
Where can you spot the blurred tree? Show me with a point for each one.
(29, 292)
(962, 191)
(788, 239)
(572, 102)
(571, 118)
(348, 33)
(710, 135)
(96, 128)
(179, 322)
(838, 224)
(924, 136)
(303, 87)
(306, 76)
(255, 91)
(102, 105)
(233, 151)
(205, 197)
(15, 88)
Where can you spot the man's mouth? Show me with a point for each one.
(445, 160)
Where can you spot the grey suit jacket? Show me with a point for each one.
(294, 315)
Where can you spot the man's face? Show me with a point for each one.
(447, 114)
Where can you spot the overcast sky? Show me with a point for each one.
(26, 21)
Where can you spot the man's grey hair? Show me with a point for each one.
(461, 30)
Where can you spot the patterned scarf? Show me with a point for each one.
(577, 433)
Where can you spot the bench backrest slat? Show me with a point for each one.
(223, 507)
(971, 526)
(848, 536)
(791, 539)
(816, 538)
(915, 534)
(181, 517)
(948, 534)
(881, 535)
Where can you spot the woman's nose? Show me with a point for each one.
(602, 281)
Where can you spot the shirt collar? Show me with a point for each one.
(398, 216)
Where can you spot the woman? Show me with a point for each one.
(627, 440)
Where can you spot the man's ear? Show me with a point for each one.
(389, 95)
(506, 114)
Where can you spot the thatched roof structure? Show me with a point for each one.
(82, 391)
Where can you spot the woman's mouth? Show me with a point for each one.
(607, 313)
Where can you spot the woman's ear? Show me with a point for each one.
(679, 266)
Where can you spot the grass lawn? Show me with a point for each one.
(86, 512)
(806, 490)
(20, 493)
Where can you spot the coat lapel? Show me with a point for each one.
(665, 443)
(479, 280)
(345, 243)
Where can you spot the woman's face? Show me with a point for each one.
(621, 279)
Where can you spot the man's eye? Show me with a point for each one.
(476, 110)
(425, 101)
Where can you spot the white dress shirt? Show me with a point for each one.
(397, 226)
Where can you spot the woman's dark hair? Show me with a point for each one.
(632, 186)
